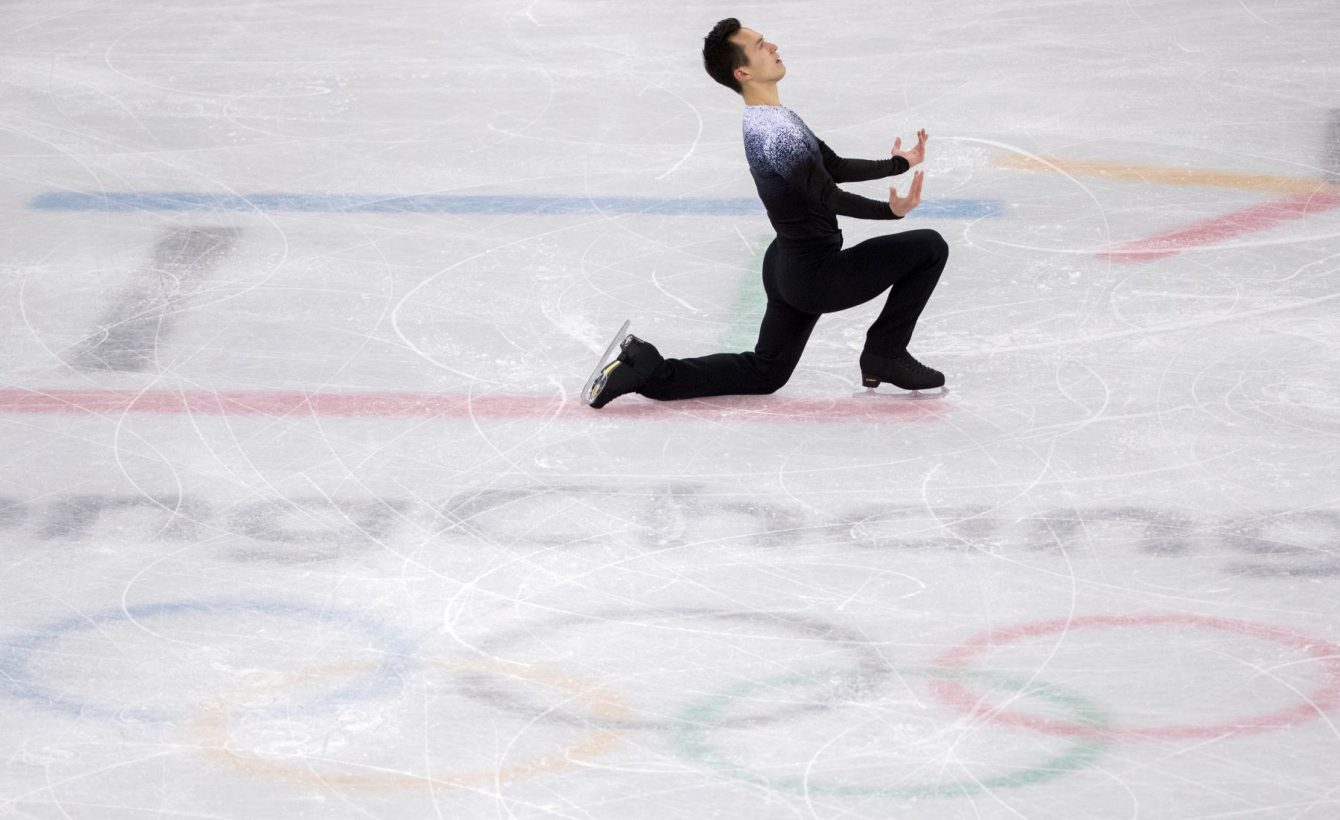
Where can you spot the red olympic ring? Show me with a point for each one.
(1313, 705)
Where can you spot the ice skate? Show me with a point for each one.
(904, 372)
(589, 390)
(636, 361)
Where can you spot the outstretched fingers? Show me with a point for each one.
(915, 155)
(900, 205)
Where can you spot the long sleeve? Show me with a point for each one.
(859, 170)
(791, 169)
(819, 185)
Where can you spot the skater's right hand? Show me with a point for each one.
(900, 205)
(914, 156)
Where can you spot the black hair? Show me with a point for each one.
(721, 55)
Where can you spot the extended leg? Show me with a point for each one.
(781, 339)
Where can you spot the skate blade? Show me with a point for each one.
(601, 380)
(903, 395)
(589, 390)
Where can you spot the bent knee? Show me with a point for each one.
(936, 244)
(773, 379)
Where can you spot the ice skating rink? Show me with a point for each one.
(301, 515)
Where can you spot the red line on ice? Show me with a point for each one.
(1255, 218)
(439, 405)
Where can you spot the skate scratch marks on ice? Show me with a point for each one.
(488, 204)
(1306, 197)
(1198, 234)
(1166, 175)
(740, 409)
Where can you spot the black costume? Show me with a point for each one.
(806, 272)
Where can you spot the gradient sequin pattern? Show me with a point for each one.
(783, 153)
(777, 141)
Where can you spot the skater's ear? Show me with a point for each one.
(723, 56)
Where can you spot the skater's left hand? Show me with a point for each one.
(901, 205)
(914, 156)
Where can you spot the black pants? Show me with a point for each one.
(803, 280)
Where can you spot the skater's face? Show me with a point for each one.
(764, 64)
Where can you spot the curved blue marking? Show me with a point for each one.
(126, 201)
(16, 653)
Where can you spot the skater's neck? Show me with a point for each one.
(761, 94)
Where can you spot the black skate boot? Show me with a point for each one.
(636, 362)
(899, 370)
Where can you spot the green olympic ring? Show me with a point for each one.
(689, 737)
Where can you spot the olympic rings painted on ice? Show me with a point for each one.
(16, 654)
(694, 723)
(212, 729)
(1311, 706)
(868, 664)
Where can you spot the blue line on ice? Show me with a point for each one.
(453, 204)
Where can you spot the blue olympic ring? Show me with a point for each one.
(16, 654)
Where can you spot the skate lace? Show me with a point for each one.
(914, 365)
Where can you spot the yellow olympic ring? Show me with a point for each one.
(212, 729)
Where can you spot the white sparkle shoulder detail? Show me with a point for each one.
(775, 139)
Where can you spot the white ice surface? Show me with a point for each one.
(301, 518)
